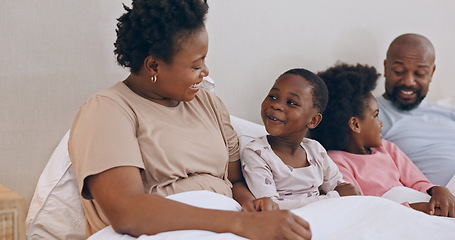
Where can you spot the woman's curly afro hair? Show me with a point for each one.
(349, 87)
(156, 28)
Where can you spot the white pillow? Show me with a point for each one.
(208, 84)
(246, 130)
(55, 210)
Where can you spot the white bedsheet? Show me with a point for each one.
(355, 217)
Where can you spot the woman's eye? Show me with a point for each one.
(196, 68)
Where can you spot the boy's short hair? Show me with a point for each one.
(349, 86)
(319, 91)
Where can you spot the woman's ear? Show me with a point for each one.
(315, 120)
(354, 124)
(151, 65)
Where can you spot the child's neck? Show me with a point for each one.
(289, 151)
(358, 149)
(284, 145)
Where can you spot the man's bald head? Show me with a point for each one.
(408, 70)
(414, 42)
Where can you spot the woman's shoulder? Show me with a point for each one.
(111, 101)
(117, 92)
(207, 97)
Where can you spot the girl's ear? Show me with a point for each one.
(354, 124)
(315, 120)
(151, 65)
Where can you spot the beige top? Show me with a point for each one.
(179, 149)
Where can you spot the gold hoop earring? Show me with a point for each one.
(153, 79)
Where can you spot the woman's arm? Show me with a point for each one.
(120, 194)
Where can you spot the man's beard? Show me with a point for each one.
(405, 106)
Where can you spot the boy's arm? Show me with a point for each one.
(347, 189)
(242, 194)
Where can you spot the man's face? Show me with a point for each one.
(408, 73)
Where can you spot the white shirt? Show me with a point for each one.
(268, 176)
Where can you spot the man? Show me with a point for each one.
(423, 130)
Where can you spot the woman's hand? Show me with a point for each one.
(442, 202)
(260, 205)
(280, 224)
(347, 189)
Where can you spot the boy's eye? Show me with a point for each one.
(292, 103)
(273, 97)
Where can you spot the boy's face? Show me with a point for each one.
(370, 124)
(288, 108)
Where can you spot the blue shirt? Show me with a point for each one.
(426, 134)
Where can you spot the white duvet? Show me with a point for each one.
(354, 217)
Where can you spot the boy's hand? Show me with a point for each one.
(347, 189)
(260, 205)
(442, 202)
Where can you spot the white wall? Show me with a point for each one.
(55, 53)
(254, 41)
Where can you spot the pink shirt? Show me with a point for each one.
(386, 167)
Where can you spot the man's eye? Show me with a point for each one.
(420, 74)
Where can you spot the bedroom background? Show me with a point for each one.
(55, 54)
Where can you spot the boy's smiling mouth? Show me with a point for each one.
(273, 118)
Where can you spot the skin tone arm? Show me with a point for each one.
(442, 199)
(242, 194)
(120, 193)
(442, 203)
(347, 189)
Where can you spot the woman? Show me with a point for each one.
(156, 133)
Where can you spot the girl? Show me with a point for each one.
(351, 133)
(284, 165)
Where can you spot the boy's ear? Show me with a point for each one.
(151, 65)
(315, 120)
(354, 124)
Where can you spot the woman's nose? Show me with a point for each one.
(205, 70)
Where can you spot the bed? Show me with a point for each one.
(56, 212)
